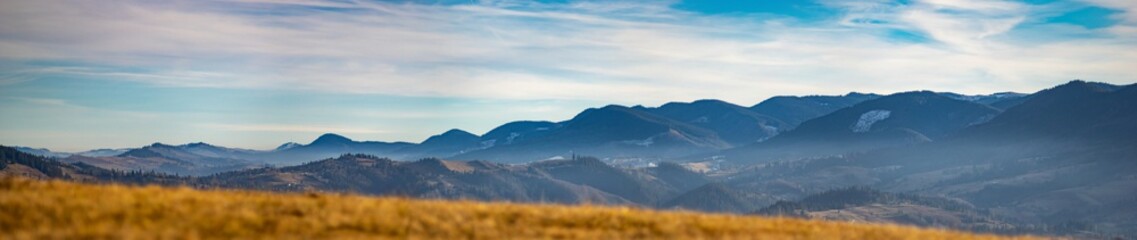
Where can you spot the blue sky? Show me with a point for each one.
(77, 75)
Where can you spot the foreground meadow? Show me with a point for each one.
(31, 209)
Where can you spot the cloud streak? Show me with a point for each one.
(628, 52)
(253, 72)
(314, 129)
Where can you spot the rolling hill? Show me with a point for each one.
(190, 159)
(594, 173)
(326, 146)
(867, 205)
(713, 197)
(449, 143)
(426, 178)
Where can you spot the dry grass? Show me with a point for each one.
(32, 209)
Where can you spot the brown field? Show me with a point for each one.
(31, 209)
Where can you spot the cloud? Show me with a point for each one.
(965, 25)
(630, 52)
(290, 128)
(74, 110)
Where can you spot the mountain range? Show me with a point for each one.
(1065, 154)
(1061, 158)
(674, 130)
(894, 120)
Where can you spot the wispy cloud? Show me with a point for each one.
(234, 72)
(631, 51)
(291, 128)
(63, 106)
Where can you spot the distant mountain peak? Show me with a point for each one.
(144, 152)
(917, 97)
(160, 145)
(29, 148)
(288, 145)
(916, 93)
(512, 132)
(600, 113)
(794, 110)
(451, 136)
(330, 138)
(709, 101)
(614, 107)
(197, 144)
(41, 152)
(701, 103)
(609, 108)
(860, 94)
(1088, 86)
(1076, 82)
(457, 132)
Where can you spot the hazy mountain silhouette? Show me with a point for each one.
(287, 145)
(1065, 154)
(794, 110)
(732, 123)
(517, 132)
(188, 159)
(890, 121)
(611, 131)
(449, 143)
(42, 152)
(427, 178)
(327, 146)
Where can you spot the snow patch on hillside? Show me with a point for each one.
(488, 143)
(868, 119)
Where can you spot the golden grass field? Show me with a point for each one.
(31, 209)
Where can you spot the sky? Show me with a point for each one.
(79, 75)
